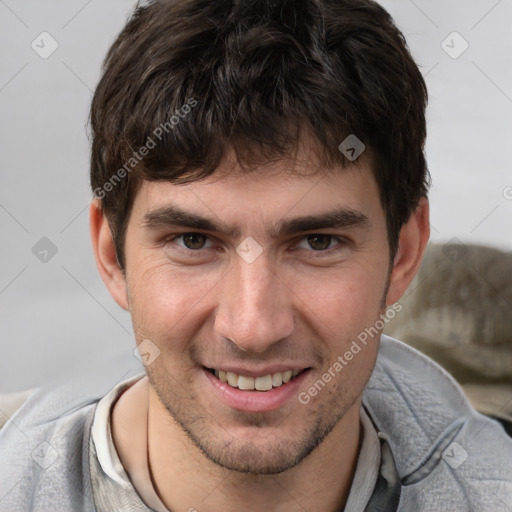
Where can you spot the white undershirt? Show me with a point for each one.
(365, 477)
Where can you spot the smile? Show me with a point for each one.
(263, 383)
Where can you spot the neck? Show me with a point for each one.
(186, 480)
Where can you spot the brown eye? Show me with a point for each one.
(194, 240)
(319, 242)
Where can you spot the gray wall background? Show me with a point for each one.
(56, 317)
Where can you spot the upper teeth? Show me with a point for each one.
(264, 383)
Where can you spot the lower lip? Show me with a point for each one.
(255, 401)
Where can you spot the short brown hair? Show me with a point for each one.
(207, 76)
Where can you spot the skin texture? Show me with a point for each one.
(292, 306)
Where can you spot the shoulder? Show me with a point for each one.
(443, 448)
(44, 446)
(44, 454)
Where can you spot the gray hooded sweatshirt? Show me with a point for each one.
(448, 457)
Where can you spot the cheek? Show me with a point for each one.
(345, 301)
(167, 303)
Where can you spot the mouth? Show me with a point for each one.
(256, 391)
(257, 384)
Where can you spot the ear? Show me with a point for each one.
(105, 255)
(414, 237)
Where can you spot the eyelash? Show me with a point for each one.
(197, 252)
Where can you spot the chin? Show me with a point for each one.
(261, 458)
(256, 446)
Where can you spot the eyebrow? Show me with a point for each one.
(170, 216)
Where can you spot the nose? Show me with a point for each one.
(255, 306)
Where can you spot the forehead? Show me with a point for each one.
(307, 168)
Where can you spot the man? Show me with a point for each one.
(260, 208)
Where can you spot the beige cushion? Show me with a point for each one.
(10, 403)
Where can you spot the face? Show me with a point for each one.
(260, 275)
